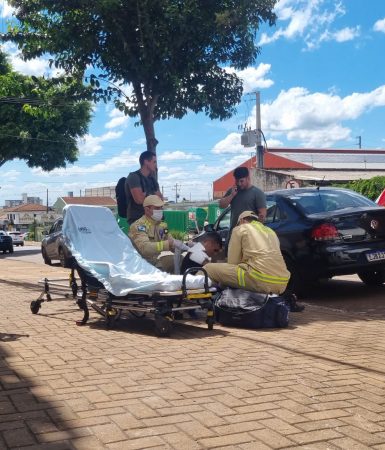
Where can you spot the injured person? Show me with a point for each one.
(255, 262)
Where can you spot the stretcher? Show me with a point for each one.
(119, 282)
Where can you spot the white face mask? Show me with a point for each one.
(157, 215)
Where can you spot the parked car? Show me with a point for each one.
(6, 244)
(324, 232)
(53, 247)
(17, 237)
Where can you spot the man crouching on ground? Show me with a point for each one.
(255, 262)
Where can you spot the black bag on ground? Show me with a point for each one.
(121, 198)
(245, 309)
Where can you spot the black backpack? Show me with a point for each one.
(240, 308)
(121, 198)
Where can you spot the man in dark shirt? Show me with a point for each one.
(139, 185)
(243, 196)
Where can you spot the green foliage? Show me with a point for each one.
(182, 236)
(371, 188)
(172, 52)
(41, 119)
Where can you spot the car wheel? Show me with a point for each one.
(22, 244)
(63, 259)
(373, 277)
(45, 257)
(10, 249)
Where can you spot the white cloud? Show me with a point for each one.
(231, 144)
(274, 143)
(309, 20)
(6, 10)
(253, 77)
(118, 118)
(11, 175)
(344, 35)
(90, 145)
(308, 119)
(140, 141)
(124, 159)
(315, 119)
(177, 155)
(379, 26)
(36, 66)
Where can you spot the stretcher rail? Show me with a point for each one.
(164, 306)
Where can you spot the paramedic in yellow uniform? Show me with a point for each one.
(255, 261)
(150, 235)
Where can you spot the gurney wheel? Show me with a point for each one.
(35, 306)
(210, 323)
(163, 325)
(112, 316)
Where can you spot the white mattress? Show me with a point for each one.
(100, 247)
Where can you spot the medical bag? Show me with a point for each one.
(245, 309)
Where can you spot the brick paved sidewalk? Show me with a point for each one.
(316, 385)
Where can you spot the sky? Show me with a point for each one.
(321, 78)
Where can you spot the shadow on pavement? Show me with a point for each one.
(348, 296)
(20, 253)
(28, 419)
(145, 326)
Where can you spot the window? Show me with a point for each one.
(273, 212)
(225, 221)
(313, 202)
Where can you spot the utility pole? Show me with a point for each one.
(47, 201)
(176, 188)
(259, 147)
(359, 142)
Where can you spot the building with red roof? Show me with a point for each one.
(271, 162)
(108, 202)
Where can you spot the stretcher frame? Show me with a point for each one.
(163, 306)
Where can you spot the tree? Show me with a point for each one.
(173, 53)
(371, 188)
(41, 119)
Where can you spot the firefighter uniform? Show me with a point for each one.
(255, 261)
(150, 239)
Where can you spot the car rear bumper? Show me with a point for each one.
(348, 259)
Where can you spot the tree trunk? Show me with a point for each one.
(146, 105)
(149, 132)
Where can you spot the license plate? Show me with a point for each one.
(375, 256)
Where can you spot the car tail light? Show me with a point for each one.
(324, 232)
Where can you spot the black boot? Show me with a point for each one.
(291, 301)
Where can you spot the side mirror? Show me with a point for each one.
(45, 232)
(209, 227)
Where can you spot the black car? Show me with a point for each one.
(324, 232)
(53, 246)
(6, 244)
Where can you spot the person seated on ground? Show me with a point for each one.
(201, 253)
(150, 235)
(255, 262)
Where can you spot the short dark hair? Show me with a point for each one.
(241, 172)
(213, 236)
(146, 156)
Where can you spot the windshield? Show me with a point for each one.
(313, 202)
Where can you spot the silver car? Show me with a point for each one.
(53, 247)
(17, 237)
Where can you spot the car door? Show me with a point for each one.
(53, 238)
(291, 227)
